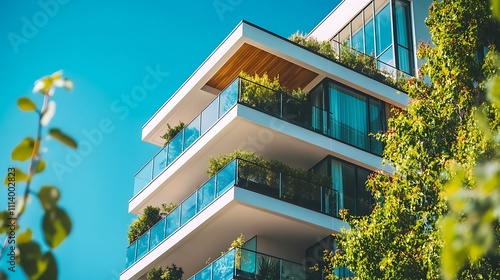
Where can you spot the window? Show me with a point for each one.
(348, 115)
(383, 30)
(349, 181)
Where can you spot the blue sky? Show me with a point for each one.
(108, 48)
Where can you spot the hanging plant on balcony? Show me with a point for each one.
(172, 132)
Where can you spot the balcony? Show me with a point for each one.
(243, 174)
(242, 91)
(250, 265)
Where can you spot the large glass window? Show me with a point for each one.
(403, 34)
(382, 29)
(349, 181)
(348, 115)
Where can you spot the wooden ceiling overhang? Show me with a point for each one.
(253, 60)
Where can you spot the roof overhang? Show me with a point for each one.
(254, 50)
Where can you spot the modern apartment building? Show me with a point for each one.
(287, 220)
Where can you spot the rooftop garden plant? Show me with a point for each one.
(351, 58)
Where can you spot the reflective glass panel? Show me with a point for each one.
(173, 221)
(209, 116)
(188, 209)
(157, 234)
(191, 132)
(206, 194)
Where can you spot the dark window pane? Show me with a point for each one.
(364, 199)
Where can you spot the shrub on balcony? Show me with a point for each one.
(172, 132)
(260, 91)
(351, 58)
(169, 273)
(299, 185)
(147, 220)
(322, 47)
(265, 93)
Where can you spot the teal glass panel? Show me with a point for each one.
(251, 244)
(175, 147)
(363, 197)
(290, 270)
(226, 178)
(268, 267)
(402, 22)
(142, 245)
(248, 264)
(357, 40)
(188, 209)
(405, 61)
(130, 257)
(228, 97)
(348, 116)
(173, 221)
(209, 116)
(206, 194)
(205, 274)
(383, 29)
(143, 177)
(330, 202)
(192, 132)
(386, 61)
(377, 119)
(157, 234)
(160, 162)
(223, 268)
(369, 38)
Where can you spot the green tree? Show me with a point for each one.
(471, 228)
(19, 247)
(401, 238)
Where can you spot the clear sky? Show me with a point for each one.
(108, 47)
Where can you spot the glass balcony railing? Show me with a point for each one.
(187, 136)
(275, 103)
(384, 72)
(243, 174)
(250, 265)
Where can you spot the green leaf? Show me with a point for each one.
(3, 276)
(26, 104)
(50, 272)
(20, 177)
(4, 221)
(63, 138)
(40, 166)
(25, 237)
(56, 226)
(31, 259)
(495, 5)
(48, 195)
(24, 150)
